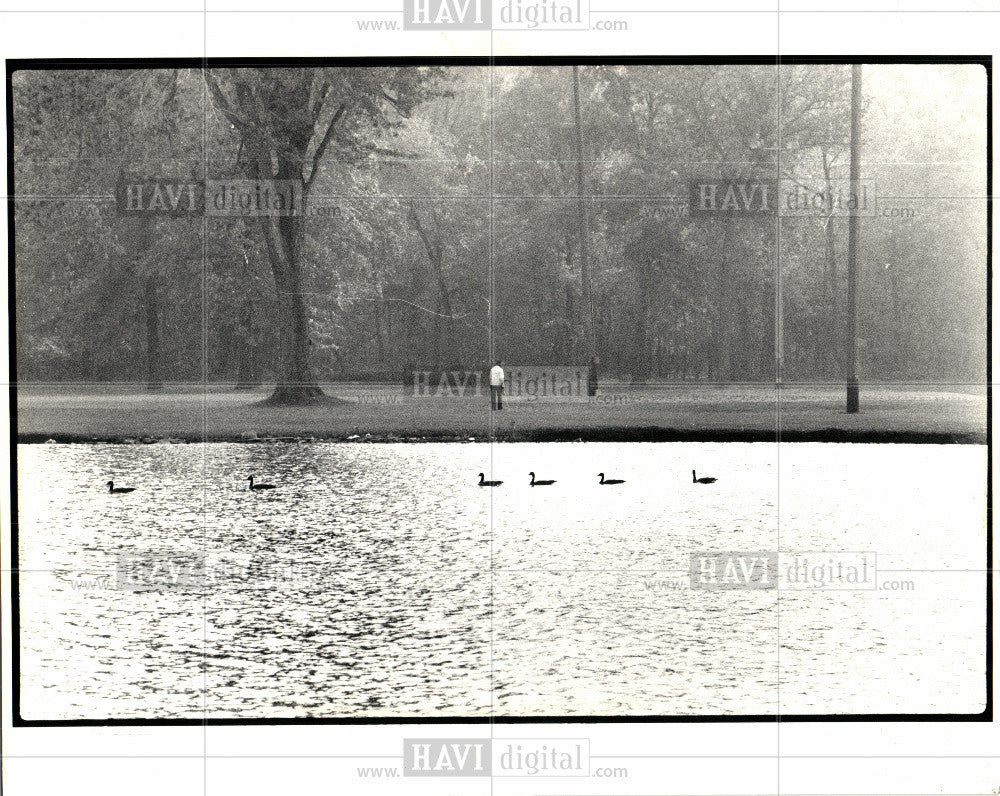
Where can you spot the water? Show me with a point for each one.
(388, 584)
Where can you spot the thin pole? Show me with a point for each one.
(582, 217)
(853, 399)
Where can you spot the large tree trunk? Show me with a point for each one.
(296, 383)
(269, 160)
(247, 372)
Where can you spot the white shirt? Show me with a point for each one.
(496, 376)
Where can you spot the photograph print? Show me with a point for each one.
(514, 389)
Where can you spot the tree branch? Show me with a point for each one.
(222, 103)
(432, 253)
(323, 145)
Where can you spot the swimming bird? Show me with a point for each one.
(607, 481)
(120, 490)
(548, 482)
(696, 480)
(254, 487)
(487, 483)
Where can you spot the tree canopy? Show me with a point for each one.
(442, 202)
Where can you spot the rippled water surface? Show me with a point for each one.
(381, 581)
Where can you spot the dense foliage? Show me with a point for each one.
(443, 204)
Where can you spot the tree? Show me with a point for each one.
(401, 261)
(286, 120)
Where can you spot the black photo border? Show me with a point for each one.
(58, 64)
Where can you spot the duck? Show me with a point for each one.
(118, 490)
(706, 480)
(483, 482)
(607, 481)
(254, 487)
(546, 482)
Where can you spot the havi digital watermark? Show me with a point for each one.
(484, 757)
(498, 15)
(790, 571)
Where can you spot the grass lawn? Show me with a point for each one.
(889, 412)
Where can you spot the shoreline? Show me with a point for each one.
(540, 435)
(380, 413)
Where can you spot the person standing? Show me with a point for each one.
(496, 386)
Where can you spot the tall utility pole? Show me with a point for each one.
(582, 220)
(853, 401)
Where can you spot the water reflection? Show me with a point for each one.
(379, 580)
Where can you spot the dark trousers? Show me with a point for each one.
(496, 397)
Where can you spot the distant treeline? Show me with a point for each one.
(419, 268)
